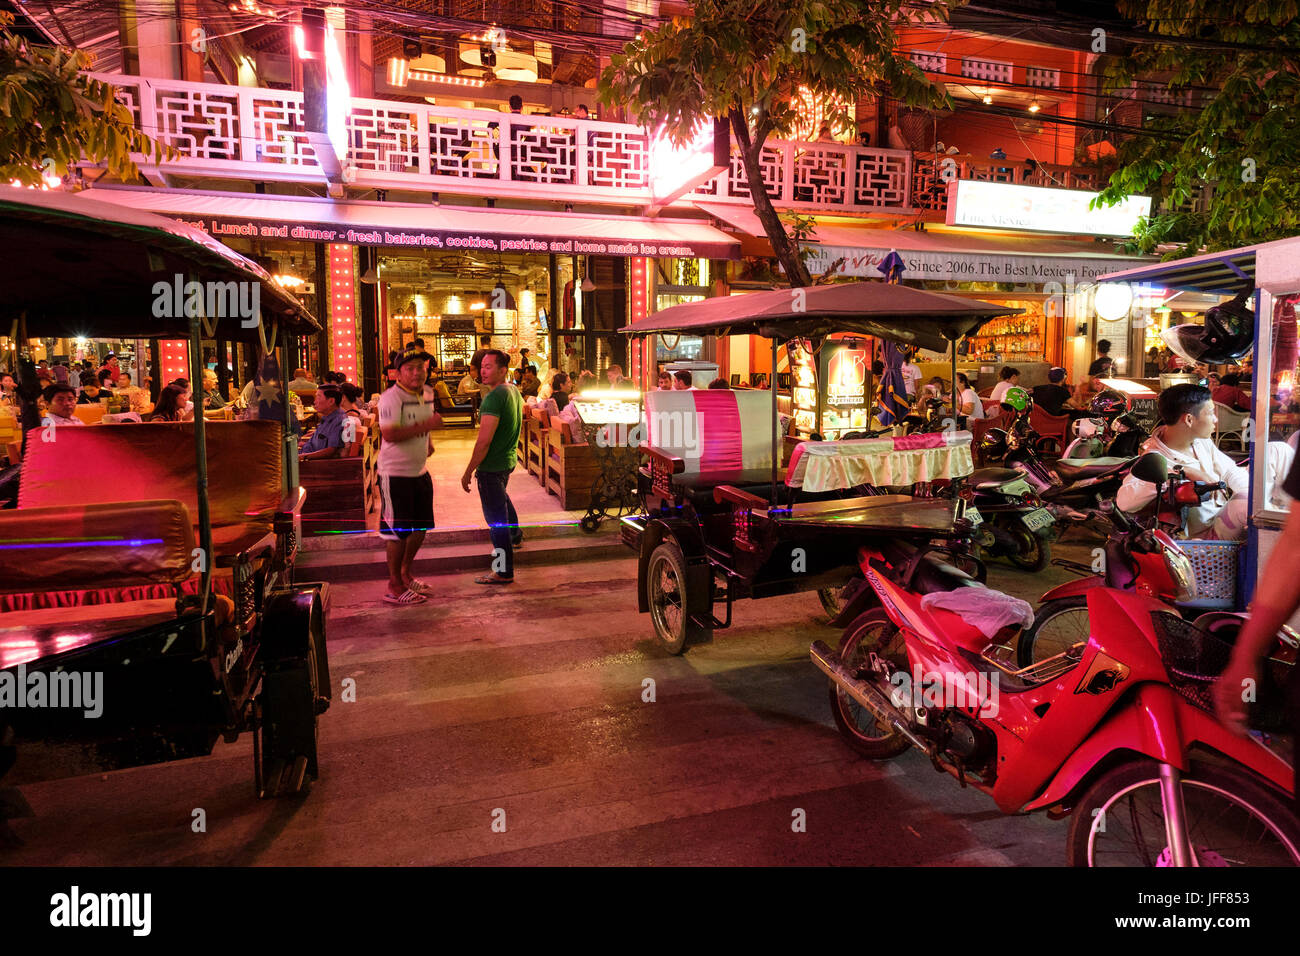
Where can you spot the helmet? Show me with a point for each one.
(994, 444)
(1227, 335)
(1109, 403)
(1017, 397)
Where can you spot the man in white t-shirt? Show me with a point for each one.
(911, 380)
(405, 487)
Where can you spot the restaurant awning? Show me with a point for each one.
(943, 256)
(895, 312)
(1274, 266)
(421, 226)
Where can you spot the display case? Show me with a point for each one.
(830, 386)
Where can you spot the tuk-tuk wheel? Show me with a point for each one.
(668, 598)
(289, 705)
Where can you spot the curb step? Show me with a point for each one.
(369, 540)
(444, 558)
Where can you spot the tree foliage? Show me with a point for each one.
(746, 60)
(52, 115)
(1240, 136)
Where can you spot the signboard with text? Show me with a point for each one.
(964, 266)
(1038, 209)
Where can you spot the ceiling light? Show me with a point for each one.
(370, 276)
(398, 71)
(1034, 107)
(423, 76)
(588, 285)
(988, 99)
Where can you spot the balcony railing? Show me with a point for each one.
(258, 134)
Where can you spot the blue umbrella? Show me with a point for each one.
(891, 267)
(891, 400)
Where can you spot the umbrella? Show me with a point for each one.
(891, 401)
(891, 267)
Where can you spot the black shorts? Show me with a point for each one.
(406, 505)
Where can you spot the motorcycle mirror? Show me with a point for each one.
(1152, 467)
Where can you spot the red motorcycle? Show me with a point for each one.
(1133, 559)
(1116, 731)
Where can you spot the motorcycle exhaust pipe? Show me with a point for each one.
(871, 698)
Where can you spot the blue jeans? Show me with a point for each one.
(499, 512)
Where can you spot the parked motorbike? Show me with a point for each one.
(1111, 430)
(1135, 558)
(1110, 731)
(1012, 520)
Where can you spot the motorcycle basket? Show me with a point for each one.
(1215, 566)
(1193, 658)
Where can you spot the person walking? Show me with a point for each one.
(494, 459)
(405, 487)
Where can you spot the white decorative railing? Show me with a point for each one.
(251, 133)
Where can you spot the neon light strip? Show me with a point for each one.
(343, 311)
(133, 542)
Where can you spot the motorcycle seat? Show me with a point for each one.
(1072, 469)
(935, 574)
(985, 478)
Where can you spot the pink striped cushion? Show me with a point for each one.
(722, 447)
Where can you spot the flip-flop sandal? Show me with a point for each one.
(492, 579)
(419, 587)
(408, 597)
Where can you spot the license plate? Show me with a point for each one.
(1038, 518)
(974, 517)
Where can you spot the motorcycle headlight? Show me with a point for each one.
(1180, 570)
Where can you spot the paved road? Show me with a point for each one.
(525, 704)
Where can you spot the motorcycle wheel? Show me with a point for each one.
(834, 599)
(1232, 819)
(1058, 625)
(871, 631)
(1034, 551)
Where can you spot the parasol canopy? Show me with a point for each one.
(894, 312)
(83, 267)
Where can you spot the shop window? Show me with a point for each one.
(1284, 403)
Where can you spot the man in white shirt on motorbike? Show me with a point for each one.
(1185, 439)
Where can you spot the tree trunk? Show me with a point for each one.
(786, 251)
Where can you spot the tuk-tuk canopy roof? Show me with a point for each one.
(82, 267)
(894, 312)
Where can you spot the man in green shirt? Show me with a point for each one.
(494, 456)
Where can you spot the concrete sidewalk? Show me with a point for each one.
(460, 540)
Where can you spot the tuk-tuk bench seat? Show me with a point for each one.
(716, 434)
(137, 463)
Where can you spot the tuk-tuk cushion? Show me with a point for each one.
(884, 462)
(116, 463)
(78, 546)
(715, 430)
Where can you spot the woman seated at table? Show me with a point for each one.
(94, 392)
(968, 402)
(171, 405)
(351, 402)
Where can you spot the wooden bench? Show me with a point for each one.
(571, 468)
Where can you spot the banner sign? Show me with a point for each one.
(964, 266)
(222, 227)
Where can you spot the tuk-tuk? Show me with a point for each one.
(147, 598)
(728, 515)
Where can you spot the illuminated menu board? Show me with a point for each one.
(846, 401)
